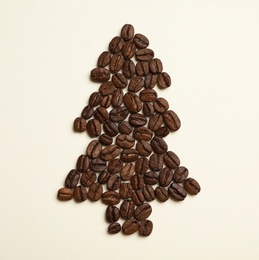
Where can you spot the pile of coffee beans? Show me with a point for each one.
(128, 164)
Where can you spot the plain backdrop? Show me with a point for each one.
(211, 50)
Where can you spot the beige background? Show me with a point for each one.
(210, 49)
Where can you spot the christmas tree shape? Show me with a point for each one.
(127, 165)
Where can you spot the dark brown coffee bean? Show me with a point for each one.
(155, 122)
(119, 80)
(156, 162)
(164, 80)
(127, 32)
(159, 145)
(104, 177)
(110, 152)
(72, 179)
(138, 197)
(192, 186)
(130, 226)
(127, 209)
(88, 178)
(127, 171)
(143, 211)
(137, 119)
(93, 128)
(141, 165)
(142, 68)
(142, 133)
(128, 50)
(129, 155)
(116, 44)
(150, 81)
(148, 109)
(95, 191)
(79, 124)
(105, 139)
(172, 120)
(125, 127)
(161, 194)
(132, 102)
(106, 88)
(65, 194)
(180, 174)
(125, 141)
(95, 99)
(143, 148)
(165, 177)
(80, 193)
(149, 193)
(112, 214)
(177, 192)
(137, 182)
(161, 105)
(162, 131)
(111, 198)
(118, 114)
(103, 59)
(114, 228)
(171, 160)
(101, 114)
(148, 95)
(97, 165)
(151, 178)
(145, 228)
(144, 54)
(125, 190)
(93, 149)
(82, 163)
(115, 166)
(114, 182)
(141, 41)
(100, 74)
(87, 112)
(136, 84)
(110, 128)
(116, 63)
(155, 66)
(128, 69)
(117, 98)
(106, 101)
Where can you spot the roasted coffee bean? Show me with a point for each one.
(159, 145)
(106, 101)
(150, 81)
(141, 165)
(88, 178)
(104, 59)
(87, 112)
(161, 105)
(115, 166)
(143, 148)
(127, 209)
(125, 141)
(155, 122)
(145, 228)
(162, 131)
(80, 193)
(125, 190)
(148, 95)
(132, 102)
(119, 80)
(172, 120)
(101, 114)
(127, 32)
(148, 109)
(136, 84)
(155, 66)
(118, 114)
(128, 50)
(116, 44)
(93, 128)
(114, 182)
(127, 171)
(93, 149)
(156, 162)
(151, 178)
(137, 119)
(112, 214)
(177, 192)
(105, 139)
(95, 191)
(141, 41)
(144, 54)
(164, 80)
(143, 211)
(165, 177)
(104, 177)
(161, 194)
(128, 69)
(138, 197)
(117, 98)
(149, 193)
(180, 174)
(137, 182)
(82, 163)
(110, 128)
(142, 133)
(142, 68)
(110, 152)
(80, 124)
(72, 179)
(125, 127)
(129, 155)
(116, 63)
(130, 226)
(107, 88)
(97, 165)
(100, 74)
(114, 228)
(191, 186)
(95, 99)
(65, 194)
(171, 160)
(111, 198)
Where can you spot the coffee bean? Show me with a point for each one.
(177, 192)
(164, 80)
(114, 182)
(107, 88)
(105, 139)
(104, 177)
(95, 99)
(130, 226)
(127, 32)
(180, 174)
(161, 194)
(142, 68)
(143, 148)
(191, 186)
(79, 124)
(127, 171)
(141, 41)
(110, 152)
(93, 149)
(127, 209)
(87, 112)
(88, 178)
(161, 105)
(95, 191)
(116, 44)
(106, 101)
(136, 84)
(128, 69)
(111, 198)
(151, 178)
(155, 122)
(143, 211)
(97, 165)
(118, 114)
(125, 141)
(100, 74)
(93, 128)
(117, 98)
(110, 128)
(124, 127)
(65, 194)
(114, 228)
(72, 179)
(162, 131)
(112, 214)
(129, 155)
(128, 50)
(171, 160)
(125, 190)
(148, 109)
(101, 114)
(115, 166)
(132, 102)
(141, 165)
(144, 54)
(138, 197)
(103, 59)
(149, 193)
(137, 182)
(137, 120)
(80, 193)
(116, 63)
(145, 228)
(159, 145)
(150, 81)
(155, 66)
(156, 162)
(165, 177)
(172, 120)
(82, 163)
(142, 133)
(148, 95)
(119, 80)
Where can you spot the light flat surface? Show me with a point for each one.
(210, 49)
